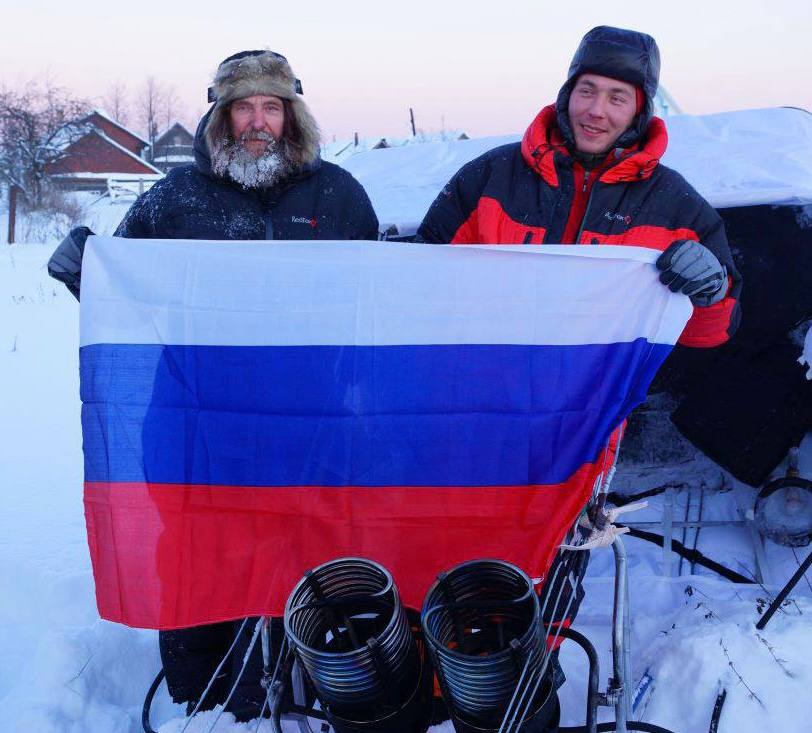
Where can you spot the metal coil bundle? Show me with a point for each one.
(482, 625)
(349, 630)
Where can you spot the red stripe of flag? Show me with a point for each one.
(169, 555)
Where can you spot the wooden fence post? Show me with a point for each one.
(12, 212)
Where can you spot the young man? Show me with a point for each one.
(258, 174)
(587, 172)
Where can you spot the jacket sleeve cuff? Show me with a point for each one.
(711, 326)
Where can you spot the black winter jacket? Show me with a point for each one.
(526, 194)
(321, 202)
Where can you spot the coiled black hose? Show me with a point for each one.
(481, 623)
(153, 688)
(348, 628)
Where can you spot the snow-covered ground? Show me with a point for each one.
(65, 670)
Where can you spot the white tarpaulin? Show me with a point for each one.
(746, 158)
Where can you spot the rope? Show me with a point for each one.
(214, 676)
(248, 651)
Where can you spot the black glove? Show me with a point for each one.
(691, 268)
(65, 264)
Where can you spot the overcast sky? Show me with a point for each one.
(484, 67)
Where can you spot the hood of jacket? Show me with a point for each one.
(543, 143)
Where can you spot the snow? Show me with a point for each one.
(128, 176)
(758, 157)
(98, 212)
(806, 356)
(402, 182)
(64, 670)
(711, 643)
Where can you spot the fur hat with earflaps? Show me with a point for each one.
(266, 73)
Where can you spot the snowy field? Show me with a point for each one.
(65, 670)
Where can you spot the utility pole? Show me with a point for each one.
(411, 116)
(12, 212)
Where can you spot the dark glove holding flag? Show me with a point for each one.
(691, 268)
(66, 262)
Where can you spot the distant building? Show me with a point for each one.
(102, 154)
(172, 148)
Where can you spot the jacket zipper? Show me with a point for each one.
(586, 210)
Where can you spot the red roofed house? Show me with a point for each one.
(105, 158)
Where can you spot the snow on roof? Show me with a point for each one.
(339, 150)
(742, 158)
(746, 158)
(107, 117)
(173, 159)
(113, 176)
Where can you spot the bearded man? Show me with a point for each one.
(257, 174)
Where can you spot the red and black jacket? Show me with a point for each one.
(534, 192)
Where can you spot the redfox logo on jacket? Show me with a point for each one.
(614, 216)
(303, 220)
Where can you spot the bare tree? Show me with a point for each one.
(170, 106)
(37, 126)
(149, 102)
(115, 102)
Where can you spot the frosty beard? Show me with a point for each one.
(232, 159)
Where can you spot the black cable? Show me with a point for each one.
(717, 711)
(622, 499)
(153, 688)
(693, 555)
(779, 599)
(609, 727)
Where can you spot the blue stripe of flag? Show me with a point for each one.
(441, 415)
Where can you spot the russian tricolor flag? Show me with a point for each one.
(253, 409)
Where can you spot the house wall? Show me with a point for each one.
(92, 154)
(114, 132)
(173, 148)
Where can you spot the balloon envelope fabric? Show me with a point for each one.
(253, 409)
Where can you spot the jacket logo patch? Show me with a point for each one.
(614, 216)
(303, 220)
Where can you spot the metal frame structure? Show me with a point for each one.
(617, 694)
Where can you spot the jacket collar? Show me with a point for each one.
(543, 143)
